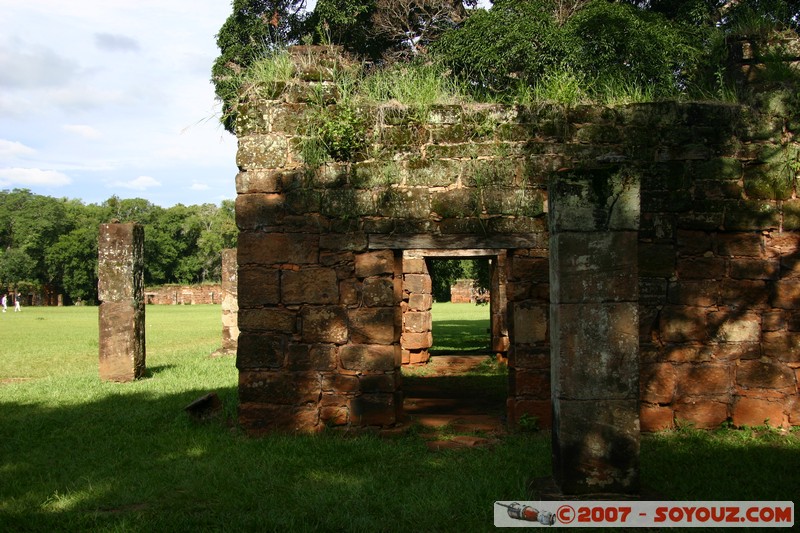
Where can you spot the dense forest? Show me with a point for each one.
(51, 243)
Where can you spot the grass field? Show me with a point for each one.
(77, 454)
(460, 327)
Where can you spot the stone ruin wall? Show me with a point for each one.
(321, 251)
(184, 294)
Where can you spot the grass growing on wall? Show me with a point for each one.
(80, 455)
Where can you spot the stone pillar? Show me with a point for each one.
(230, 301)
(417, 336)
(120, 271)
(594, 218)
(498, 304)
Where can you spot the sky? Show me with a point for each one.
(112, 97)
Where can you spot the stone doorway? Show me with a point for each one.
(416, 338)
(445, 389)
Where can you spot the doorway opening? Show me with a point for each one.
(457, 379)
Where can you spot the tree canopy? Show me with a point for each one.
(665, 46)
(52, 242)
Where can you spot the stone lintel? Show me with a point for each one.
(456, 242)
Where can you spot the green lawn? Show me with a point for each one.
(77, 454)
(460, 327)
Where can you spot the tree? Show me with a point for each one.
(516, 41)
(29, 225)
(412, 25)
(254, 27)
(602, 43)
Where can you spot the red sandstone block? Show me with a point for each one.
(732, 326)
(693, 242)
(540, 410)
(258, 248)
(339, 383)
(333, 416)
(324, 324)
(367, 357)
(733, 351)
(378, 292)
(268, 319)
(533, 384)
(417, 283)
(349, 292)
(758, 374)
(260, 351)
(406, 357)
(709, 268)
(693, 293)
(122, 350)
(530, 323)
(256, 181)
(320, 357)
(420, 302)
(309, 286)
(782, 346)
(418, 356)
(746, 244)
(377, 383)
(534, 269)
(785, 243)
(658, 383)
(351, 241)
(755, 269)
(414, 265)
(702, 414)
(704, 380)
(416, 341)
(374, 263)
(372, 325)
(655, 417)
(656, 260)
(758, 412)
(786, 295)
(373, 410)
(417, 322)
(773, 321)
(260, 419)
(683, 323)
(794, 408)
(744, 294)
(679, 353)
(279, 388)
(257, 211)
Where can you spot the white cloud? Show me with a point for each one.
(115, 43)
(82, 130)
(14, 149)
(33, 177)
(141, 183)
(26, 66)
(199, 186)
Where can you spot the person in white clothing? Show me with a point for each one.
(16, 303)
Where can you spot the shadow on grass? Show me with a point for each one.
(450, 336)
(152, 371)
(722, 465)
(134, 461)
